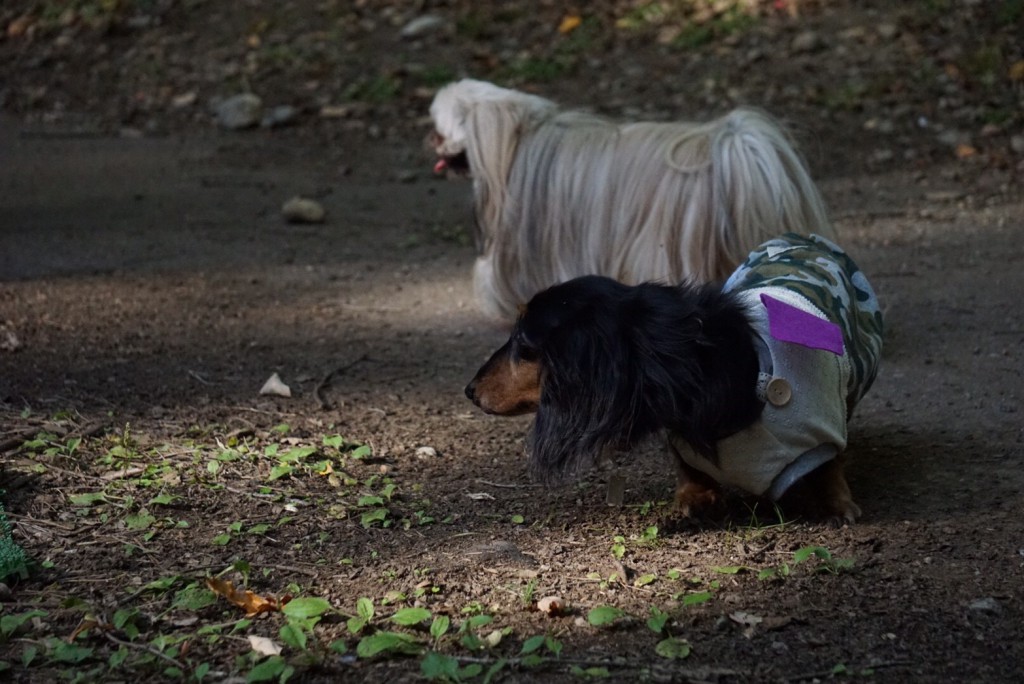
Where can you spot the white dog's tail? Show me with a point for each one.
(758, 186)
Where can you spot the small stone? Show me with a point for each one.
(183, 100)
(952, 137)
(985, 605)
(426, 452)
(407, 176)
(275, 386)
(5, 593)
(807, 41)
(239, 111)
(9, 341)
(882, 155)
(281, 115)
(888, 31)
(943, 195)
(423, 26)
(1017, 144)
(303, 210)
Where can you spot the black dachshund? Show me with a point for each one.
(752, 383)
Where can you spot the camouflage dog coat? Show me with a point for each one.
(820, 331)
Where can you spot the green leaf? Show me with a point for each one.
(307, 607)
(590, 672)
(531, 660)
(270, 669)
(118, 657)
(297, 454)
(470, 671)
(410, 616)
(656, 623)
(439, 627)
(280, 471)
(293, 635)
(355, 625)
(553, 645)
(387, 642)
(802, 554)
(28, 655)
(123, 616)
(9, 624)
(696, 598)
(532, 644)
(162, 584)
(674, 574)
(370, 501)
(478, 621)
(139, 522)
(673, 648)
(644, 580)
(437, 666)
(518, 519)
(334, 441)
(604, 615)
(494, 670)
(370, 517)
(471, 641)
(361, 452)
(193, 597)
(68, 653)
(222, 539)
(730, 569)
(88, 499)
(163, 500)
(364, 608)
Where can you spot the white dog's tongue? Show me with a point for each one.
(440, 166)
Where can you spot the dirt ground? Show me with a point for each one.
(149, 286)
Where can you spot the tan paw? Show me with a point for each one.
(693, 499)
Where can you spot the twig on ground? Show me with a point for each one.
(147, 648)
(326, 380)
(824, 674)
(507, 486)
(16, 440)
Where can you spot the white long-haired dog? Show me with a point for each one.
(561, 194)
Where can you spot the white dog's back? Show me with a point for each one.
(564, 194)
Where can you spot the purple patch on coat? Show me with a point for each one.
(790, 324)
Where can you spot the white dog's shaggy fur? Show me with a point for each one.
(561, 194)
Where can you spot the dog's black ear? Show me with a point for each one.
(593, 392)
(581, 385)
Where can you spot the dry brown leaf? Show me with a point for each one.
(248, 601)
(1017, 70)
(963, 151)
(552, 605)
(569, 24)
(19, 26)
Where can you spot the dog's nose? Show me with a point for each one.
(471, 391)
